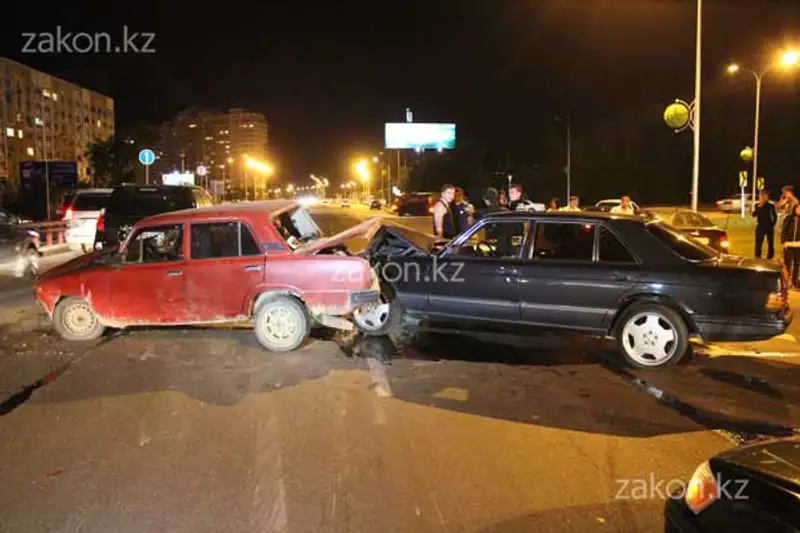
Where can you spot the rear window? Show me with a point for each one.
(680, 244)
(90, 201)
(149, 201)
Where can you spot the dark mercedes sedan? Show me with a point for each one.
(641, 282)
(749, 489)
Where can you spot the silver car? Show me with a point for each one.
(19, 247)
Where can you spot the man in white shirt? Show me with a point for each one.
(624, 207)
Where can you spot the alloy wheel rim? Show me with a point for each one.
(649, 338)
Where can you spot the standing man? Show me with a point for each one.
(444, 223)
(517, 202)
(766, 217)
(574, 204)
(462, 210)
(492, 200)
(624, 207)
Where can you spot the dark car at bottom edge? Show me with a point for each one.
(641, 282)
(750, 489)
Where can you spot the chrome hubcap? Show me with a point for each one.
(280, 325)
(79, 319)
(649, 338)
(372, 317)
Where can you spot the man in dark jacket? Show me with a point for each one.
(492, 200)
(766, 217)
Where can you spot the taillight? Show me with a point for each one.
(101, 221)
(776, 301)
(724, 243)
(68, 213)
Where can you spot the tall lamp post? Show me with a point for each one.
(696, 119)
(787, 60)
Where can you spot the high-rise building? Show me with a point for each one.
(218, 141)
(44, 118)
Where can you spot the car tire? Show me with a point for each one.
(652, 336)
(380, 320)
(75, 320)
(291, 328)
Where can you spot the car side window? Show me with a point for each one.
(160, 244)
(679, 220)
(611, 249)
(564, 241)
(222, 239)
(498, 240)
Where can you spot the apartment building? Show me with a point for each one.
(219, 141)
(45, 118)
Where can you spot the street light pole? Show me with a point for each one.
(759, 77)
(697, 91)
(569, 158)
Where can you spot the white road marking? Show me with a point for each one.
(382, 387)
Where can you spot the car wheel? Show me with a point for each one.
(281, 324)
(75, 320)
(379, 318)
(652, 336)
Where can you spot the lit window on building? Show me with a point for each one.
(19, 134)
(45, 93)
(55, 97)
(99, 124)
(29, 151)
(10, 132)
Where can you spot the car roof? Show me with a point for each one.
(574, 215)
(268, 208)
(93, 191)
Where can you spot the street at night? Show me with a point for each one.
(202, 430)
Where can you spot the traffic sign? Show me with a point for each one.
(743, 178)
(201, 170)
(147, 157)
(760, 184)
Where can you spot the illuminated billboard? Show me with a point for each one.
(420, 136)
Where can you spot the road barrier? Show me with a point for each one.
(52, 235)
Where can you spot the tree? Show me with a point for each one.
(116, 160)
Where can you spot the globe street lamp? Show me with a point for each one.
(789, 59)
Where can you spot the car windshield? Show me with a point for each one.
(297, 227)
(90, 201)
(689, 249)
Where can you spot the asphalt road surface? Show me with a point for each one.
(201, 430)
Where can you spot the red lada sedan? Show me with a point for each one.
(261, 261)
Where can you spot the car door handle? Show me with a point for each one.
(507, 271)
(620, 276)
(174, 273)
(253, 268)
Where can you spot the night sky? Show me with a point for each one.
(329, 74)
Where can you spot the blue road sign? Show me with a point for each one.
(147, 157)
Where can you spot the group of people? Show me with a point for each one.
(785, 215)
(453, 213)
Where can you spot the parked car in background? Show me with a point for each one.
(129, 204)
(375, 205)
(733, 204)
(81, 214)
(697, 226)
(606, 206)
(260, 261)
(639, 281)
(415, 204)
(345, 202)
(19, 247)
(750, 488)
